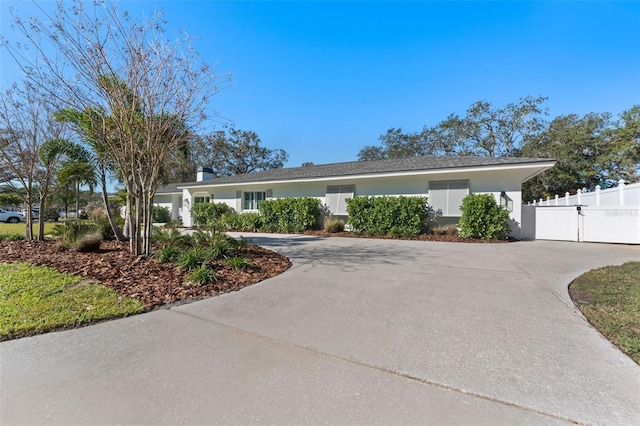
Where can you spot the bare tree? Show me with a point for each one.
(26, 124)
(136, 83)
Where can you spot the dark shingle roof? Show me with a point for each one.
(353, 168)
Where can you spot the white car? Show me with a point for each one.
(11, 217)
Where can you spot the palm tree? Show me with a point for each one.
(78, 173)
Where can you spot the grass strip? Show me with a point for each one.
(21, 228)
(609, 298)
(36, 299)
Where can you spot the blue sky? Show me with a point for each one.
(323, 79)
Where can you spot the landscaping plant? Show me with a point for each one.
(208, 214)
(161, 214)
(396, 216)
(333, 224)
(483, 218)
(293, 214)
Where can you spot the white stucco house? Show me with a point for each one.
(445, 181)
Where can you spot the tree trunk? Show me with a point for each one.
(77, 199)
(148, 223)
(42, 205)
(105, 198)
(29, 217)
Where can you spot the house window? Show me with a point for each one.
(253, 199)
(337, 196)
(200, 200)
(446, 196)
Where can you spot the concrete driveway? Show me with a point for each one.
(358, 332)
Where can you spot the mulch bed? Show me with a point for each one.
(143, 278)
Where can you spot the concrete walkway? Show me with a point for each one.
(358, 332)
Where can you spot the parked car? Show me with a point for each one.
(11, 217)
(35, 213)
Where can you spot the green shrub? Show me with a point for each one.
(51, 214)
(72, 230)
(192, 259)
(483, 218)
(203, 214)
(11, 237)
(168, 254)
(219, 249)
(201, 238)
(290, 214)
(170, 237)
(333, 224)
(202, 276)
(247, 222)
(104, 227)
(161, 214)
(239, 262)
(395, 216)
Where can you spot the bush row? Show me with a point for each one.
(481, 216)
(290, 214)
(396, 216)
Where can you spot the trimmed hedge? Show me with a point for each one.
(396, 216)
(208, 214)
(290, 214)
(483, 218)
(161, 214)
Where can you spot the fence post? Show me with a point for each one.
(621, 189)
(597, 195)
(541, 201)
(547, 200)
(566, 198)
(556, 199)
(579, 196)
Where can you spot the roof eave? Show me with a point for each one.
(540, 167)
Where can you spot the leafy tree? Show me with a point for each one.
(26, 124)
(396, 144)
(590, 150)
(499, 132)
(236, 152)
(485, 130)
(52, 155)
(307, 164)
(624, 155)
(77, 173)
(133, 83)
(10, 199)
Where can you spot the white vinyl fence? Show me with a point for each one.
(608, 216)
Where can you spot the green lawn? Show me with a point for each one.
(35, 300)
(20, 228)
(610, 299)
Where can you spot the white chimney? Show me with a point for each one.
(204, 173)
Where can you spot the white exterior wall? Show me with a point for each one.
(492, 182)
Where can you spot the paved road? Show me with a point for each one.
(357, 332)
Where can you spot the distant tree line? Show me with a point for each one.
(593, 149)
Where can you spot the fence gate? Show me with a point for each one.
(609, 216)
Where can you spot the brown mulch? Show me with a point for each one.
(153, 283)
(423, 237)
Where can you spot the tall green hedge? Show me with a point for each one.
(483, 218)
(398, 216)
(290, 214)
(208, 214)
